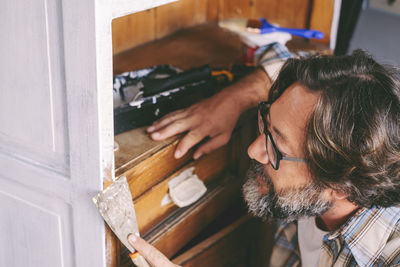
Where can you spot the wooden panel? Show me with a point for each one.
(213, 10)
(29, 228)
(130, 31)
(183, 13)
(196, 46)
(236, 8)
(150, 171)
(245, 242)
(153, 24)
(32, 96)
(175, 232)
(113, 248)
(286, 13)
(134, 147)
(217, 250)
(243, 137)
(149, 210)
(321, 18)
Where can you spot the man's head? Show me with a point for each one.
(342, 116)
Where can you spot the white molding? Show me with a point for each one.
(125, 7)
(335, 23)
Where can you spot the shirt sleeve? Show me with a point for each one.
(272, 57)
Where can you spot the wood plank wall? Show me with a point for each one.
(133, 30)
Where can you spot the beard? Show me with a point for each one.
(288, 204)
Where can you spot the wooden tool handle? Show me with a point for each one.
(139, 260)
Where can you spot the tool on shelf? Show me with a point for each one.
(142, 96)
(262, 26)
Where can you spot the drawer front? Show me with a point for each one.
(178, 229)
(245, 242)
(149, 207)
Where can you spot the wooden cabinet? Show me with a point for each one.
(182, 234)
(56, 122)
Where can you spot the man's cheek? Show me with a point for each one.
(263, 188)
(290, 174)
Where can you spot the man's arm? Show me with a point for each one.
(214, 117)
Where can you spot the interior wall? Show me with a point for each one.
(135, 29)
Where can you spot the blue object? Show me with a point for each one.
(267, 28)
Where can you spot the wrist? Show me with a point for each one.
(247, 92)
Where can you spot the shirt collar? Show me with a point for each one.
(367, 231)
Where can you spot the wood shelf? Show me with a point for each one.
(190, 47)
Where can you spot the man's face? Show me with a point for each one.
(289, 192)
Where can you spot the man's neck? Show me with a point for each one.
(341, 211)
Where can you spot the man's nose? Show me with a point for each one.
(257, 150)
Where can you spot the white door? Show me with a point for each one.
(55, 131)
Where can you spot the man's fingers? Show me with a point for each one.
(188, 141)
(150, 253)
(172, 129)
(210, 145)
(167, 119)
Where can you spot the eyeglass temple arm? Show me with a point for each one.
(293, 159)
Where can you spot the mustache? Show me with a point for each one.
(255, 170)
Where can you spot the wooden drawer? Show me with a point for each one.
(181, 227)
(245, 242)
(145, 162)
(149, 208)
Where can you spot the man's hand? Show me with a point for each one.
(214, 117)
(150, 253)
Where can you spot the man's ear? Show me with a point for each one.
(338, 195)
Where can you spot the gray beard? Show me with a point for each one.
(288, 204)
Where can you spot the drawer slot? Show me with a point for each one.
(148, 207)
(178, 229)
(245, 242)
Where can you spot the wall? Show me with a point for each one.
(139, 28)
(378, 32)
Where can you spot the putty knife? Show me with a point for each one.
(116, 206)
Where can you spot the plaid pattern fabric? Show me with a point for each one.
(272, 57)
(371, 237)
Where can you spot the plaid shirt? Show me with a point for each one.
(371, 237)
(271, 57)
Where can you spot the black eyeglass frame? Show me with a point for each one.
(263, 110)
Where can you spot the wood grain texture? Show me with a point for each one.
(286, 13)
(321, 18)
(152, 170)
(112, 248)
(173, 234)
(181, 14)
(164, 20)
(236, 9)
(217, 247)
(189, 47)
(136, 146)
(244, 135)
(149, 210)
(246, 242)
(213, 10)
(132, 30)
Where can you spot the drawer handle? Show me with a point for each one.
(184, 189)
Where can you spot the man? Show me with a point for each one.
(326, 162)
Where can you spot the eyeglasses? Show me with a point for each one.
(274, 155)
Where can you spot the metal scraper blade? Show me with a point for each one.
(116, 206)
